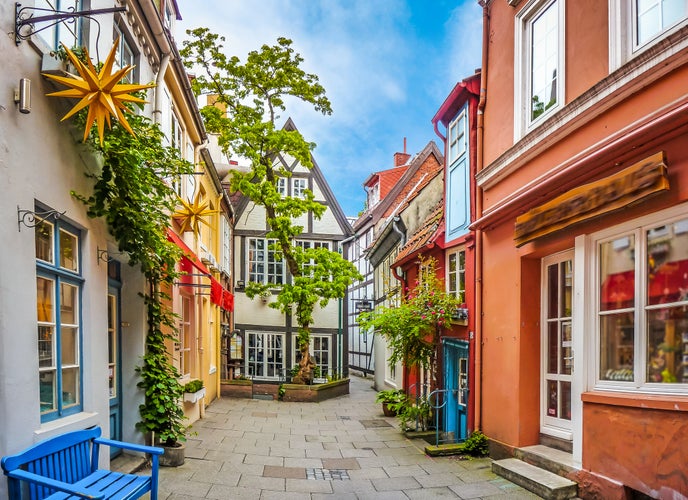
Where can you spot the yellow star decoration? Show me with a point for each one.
(192, 212)
(101, 91)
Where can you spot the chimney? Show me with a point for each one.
(401, 158)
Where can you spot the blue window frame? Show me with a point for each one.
(58, 316)
(458, 186)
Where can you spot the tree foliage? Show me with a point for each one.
(248, 98)
(413, 328)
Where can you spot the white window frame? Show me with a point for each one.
(460, 274)
(226, 246)
(264, 344)
(638, 227)
(373, 195)
(298, 187)
(523, 65)
(185, 339)
(326, 367)
(622, 33)
(125, 55)
(267, 260)
(282, 186)
(457, 133)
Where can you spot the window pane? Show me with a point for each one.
(70, 387)
(552, 343)
(552, 399)
(565, 400)
(46, 339)
(617, 347)
(617, 274)
(553, 291)
(44, 300)
(68, 251)
(68, 310)
(69, 345)
(544, 33)
(667, 330)
(566, 348)
(672, 12)
(566, 288)
(48, 388)
(44, 241)
(667, 263)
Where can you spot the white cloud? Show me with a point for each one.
(383, 75)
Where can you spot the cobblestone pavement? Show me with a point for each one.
(343, 448)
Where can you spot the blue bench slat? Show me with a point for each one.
(116, 485)
(65, 466)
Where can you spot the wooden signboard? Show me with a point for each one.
(617, 191)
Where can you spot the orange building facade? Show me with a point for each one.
(582, 238)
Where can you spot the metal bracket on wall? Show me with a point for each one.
(25, 18)
(31, 219)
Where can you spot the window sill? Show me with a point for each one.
(635, 400)
(74, 422)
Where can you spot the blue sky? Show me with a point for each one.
(386, 65)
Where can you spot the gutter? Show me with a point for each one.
(480, 159)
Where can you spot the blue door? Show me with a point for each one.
(456, 388)
(114, 357)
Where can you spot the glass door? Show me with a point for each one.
(557, 345)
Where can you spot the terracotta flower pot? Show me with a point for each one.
(388, 411)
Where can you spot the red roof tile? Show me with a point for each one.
(429, 230)
(422, 177)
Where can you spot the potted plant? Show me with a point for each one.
(193, 391)
(392, 400)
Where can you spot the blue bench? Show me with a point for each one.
(66, 467)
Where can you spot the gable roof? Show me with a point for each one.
(316, 173)
(427, 234)
(374, 214)
(420, 173)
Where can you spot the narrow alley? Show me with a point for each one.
(341, 448)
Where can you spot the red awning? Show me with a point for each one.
(218, 294)
(188, 253)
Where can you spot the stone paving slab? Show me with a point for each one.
(256, 449)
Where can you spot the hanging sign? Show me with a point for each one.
(617, 191)
(363, 305)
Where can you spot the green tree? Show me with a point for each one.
(248, 98)
(413, 328)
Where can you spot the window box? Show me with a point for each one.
(192, 397)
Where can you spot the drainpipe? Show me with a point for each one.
(159, 79)
(478, 213)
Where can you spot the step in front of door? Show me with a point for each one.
(539, 481)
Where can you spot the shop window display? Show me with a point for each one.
(643, 307)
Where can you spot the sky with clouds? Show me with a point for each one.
(386, 65)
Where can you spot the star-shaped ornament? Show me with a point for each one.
(99, 90)
(191, 214)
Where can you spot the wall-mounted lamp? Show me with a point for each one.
(22, 95)
(241, 284)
